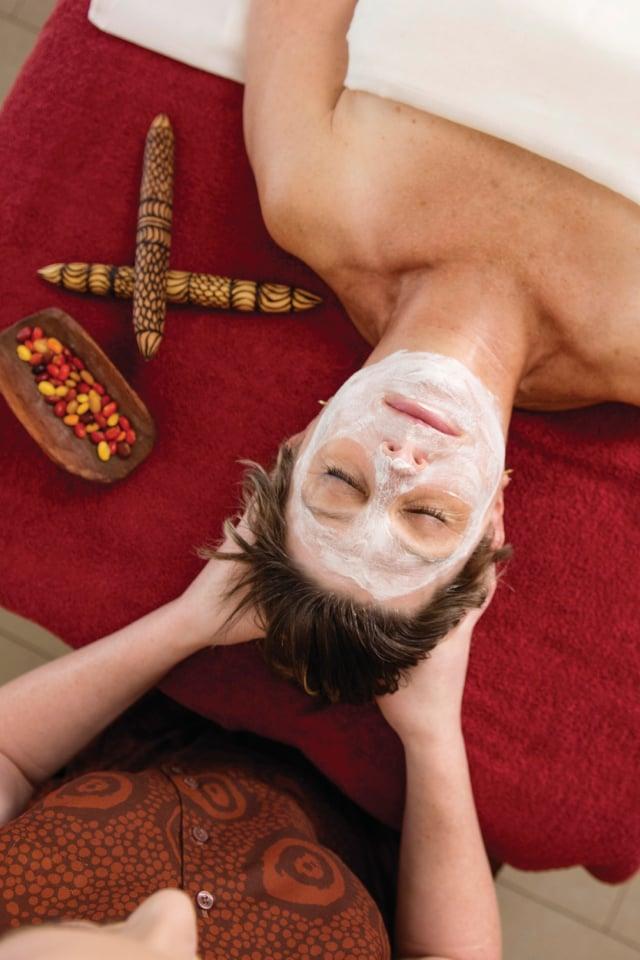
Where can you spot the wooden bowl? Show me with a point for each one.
(57, 439)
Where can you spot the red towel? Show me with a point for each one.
(551, 710)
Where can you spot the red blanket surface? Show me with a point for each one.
(551, 709)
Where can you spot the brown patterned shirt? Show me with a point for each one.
(275, 868)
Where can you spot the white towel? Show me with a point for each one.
(558, 77)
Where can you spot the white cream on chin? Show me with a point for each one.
(403, 454)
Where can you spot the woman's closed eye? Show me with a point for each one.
(428, 511)
(340, 474)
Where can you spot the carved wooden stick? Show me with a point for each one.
(201, 289)
(153, 237)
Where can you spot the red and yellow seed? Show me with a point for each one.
(103, 450)
(71, 419)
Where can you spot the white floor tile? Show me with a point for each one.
(534, 932)
(30, 635)
(574, 891)
(16, 43)
(33, 12)
(15, 660)
(626, 922)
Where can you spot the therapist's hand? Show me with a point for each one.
(206, 606)
(429, 700)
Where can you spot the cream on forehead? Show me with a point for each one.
(368, 551)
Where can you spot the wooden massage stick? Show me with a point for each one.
(201, 289)
(153, 237)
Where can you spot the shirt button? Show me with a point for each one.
(205, 900)
(200, 834)
(190, 782)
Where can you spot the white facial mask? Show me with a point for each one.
(403, 453)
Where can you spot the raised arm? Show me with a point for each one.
(447, 908)
(50, 713)
(296, 64)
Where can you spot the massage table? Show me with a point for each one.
(551, 709)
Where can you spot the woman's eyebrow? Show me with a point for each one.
(327, 514)
(418, 553)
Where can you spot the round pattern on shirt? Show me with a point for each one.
(299, 872)
(95, 791)
(219, 796)
(294, 870)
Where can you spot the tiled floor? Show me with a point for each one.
(559, 915)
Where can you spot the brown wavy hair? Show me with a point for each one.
(332, 646)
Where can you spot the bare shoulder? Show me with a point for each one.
(307, 199)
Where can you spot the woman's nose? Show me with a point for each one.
(406, 454)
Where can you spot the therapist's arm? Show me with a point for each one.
(446, 901)
(49, 714)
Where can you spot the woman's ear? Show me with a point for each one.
(297, 438)
(496, 518)
(296, 441)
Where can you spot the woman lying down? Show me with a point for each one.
(483, 276)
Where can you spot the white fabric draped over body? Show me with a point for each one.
(560, 78)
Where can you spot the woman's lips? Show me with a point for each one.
(414, 410)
